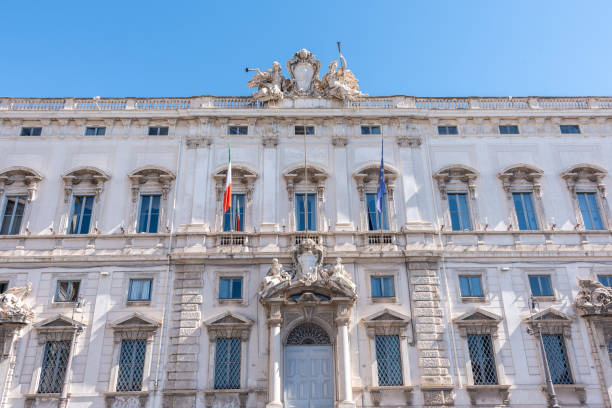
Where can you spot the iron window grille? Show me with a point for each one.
(158, 131)
(569, 129)
(525, 211)
(227, 364)
(230, 288)
(540, 285)
(591, 218)
(304, 130)
(482, 359)
(80, 218)
(610, 348)
(238, 130)
(54, 364)
(447, 130)
(508, 130)
(95, 131)
(131, 365)
(471, 286)
(307, 334)
(31, 131)
(389, 361)
(148, 218)
(605, 280)
(558, 363)
(459, 211)
(67, 291)
(14, 207)
(382, 286)
(140, 290)
(370, 130)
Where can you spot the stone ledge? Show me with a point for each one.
(503, 390)
(438, 394)
(579, 389)
(376, 392)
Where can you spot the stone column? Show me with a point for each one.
(269, 218)
(344, 357)
(343, 183)
(274, 379)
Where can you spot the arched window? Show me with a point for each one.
(17, 188)
(308, 334)
(524, 191)
(150, 186)
(588, 192)
(376, 216)
(457, 185)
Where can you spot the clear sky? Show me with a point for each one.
(427, 48)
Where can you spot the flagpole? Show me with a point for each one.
(306, 215)
(382, 200)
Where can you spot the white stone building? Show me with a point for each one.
(142, 295)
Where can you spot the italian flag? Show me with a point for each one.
(227, 195)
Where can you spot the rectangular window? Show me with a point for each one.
(230, 288)
(54, 363)
(540, 285)
(471, 286)
(14, 207)
(389, 361)
(140, 289)
(556, 354)
(67, 291)
(447, 130)
(508, 130)
(131, 365)
(377, 220)
(148, 216)
(3, 286)
(482, 359)
(80, 218)
(158, 131)
(370, 130)
(31, 131)
(233, 218)
(306, 211)
(304, 130)
(95, 131)
(590, 211)
(525, 212)
(459, 211)
(605, 280)
(238, 130)
(382, 286)
(569, 129)
(227, 364)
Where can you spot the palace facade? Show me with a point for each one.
(480, 273)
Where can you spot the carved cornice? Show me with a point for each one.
(593, 298)
(21, 179)
(409, 141)
(90, 177)
(584, 175)
(243, 180)
(157, 177)
(456, 173)
(520, 175)
(228, 325)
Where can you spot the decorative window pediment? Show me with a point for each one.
(243, 180)
(551, 321)
(228, 325)
(585, 176)
(457, 185)
(386, 322)
(151, 179)
(135, 326)
(366, 178)
(521, 177)
(456, 177)
(19, 180)
(306, 177)
(57, 328)
(85, 179)
(478, 321)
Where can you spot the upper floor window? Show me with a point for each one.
(30, 131)
(525, 211)
(370, 130)
(382, 286)
(12, 215)
(306, 211)
(569, 129)
(605, 280)
(233, 218)
(482, 359)
(67, 291)
(230, 288)
(589, 210)
(140, 290)
(459, 211)
(304, 130)
(80, 217)
(447, 130)
(131, 365)
(471, 286)
(148, 216)
(95, 131)
(158, 130)
(540, 285)
(457, 185)
(556, 354)
(377, 220)
(389, 361)
(508, 130)
(3, 286)
(55, 359)
(227, 364)
(238, 130)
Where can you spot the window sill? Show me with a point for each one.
(138, 303)
(56, 303)
(468, 299)
(230, 301)
(384, 299)
(544, 298)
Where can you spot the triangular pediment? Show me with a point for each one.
(478, 315)
(58, 322)
(230, 319)
(133, 320)
(550, 314)
(387, 315)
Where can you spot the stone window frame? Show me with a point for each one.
(83, 180)
(523, 178)
(555, 296)
(228, 325)
(388, 322)
(481, 321)
(233, 273)
(243, 182)
(19, 181)
(66, 276)
(458, 178)
(588, 178)
(128, 276)
(150, 180)
(394, 273)
(482, 273)
(294, 181)
(366, 180)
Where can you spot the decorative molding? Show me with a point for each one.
(57, 328)
(20, 179)
(551, 321)
(228, 325)
(457, 173)
(90, 177)
(243, 180)
(585, 174)
(478, 321)
(157, 177)
(521, 176)
(593, 298)
(475, 390)
(386, 322)
(409, 141)
(135, 326)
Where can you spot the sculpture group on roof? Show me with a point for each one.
(338, 82)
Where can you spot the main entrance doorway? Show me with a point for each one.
(309, 368)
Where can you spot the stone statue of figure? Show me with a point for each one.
(341, 278)
(340, 82)
(269, 84)
(13, 306)
(273, 280)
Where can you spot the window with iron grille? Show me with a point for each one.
(31, 131)
(459, 211)
(587, 201)
(148, 216)
(556, 354)
(67, 291)
(230, 288)
(471, 286)
(447, 130)
(525, 211)
(482, 359)
(382, 286)
(605, 280)
(131, 365)
(389, 361)
(304, 130)
(370, 130)
(14, 207)
(54, 363)
(569, 129)
(140, 289)
(540, 285)
(95, 131)
(238, 130)
(80, 218)
(158, 131)
(508, 130)
(227, 364)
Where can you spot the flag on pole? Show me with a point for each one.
(382, 189)
(227, 195)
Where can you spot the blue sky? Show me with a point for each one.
(427, 48)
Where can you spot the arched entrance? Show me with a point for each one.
(308, 368)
